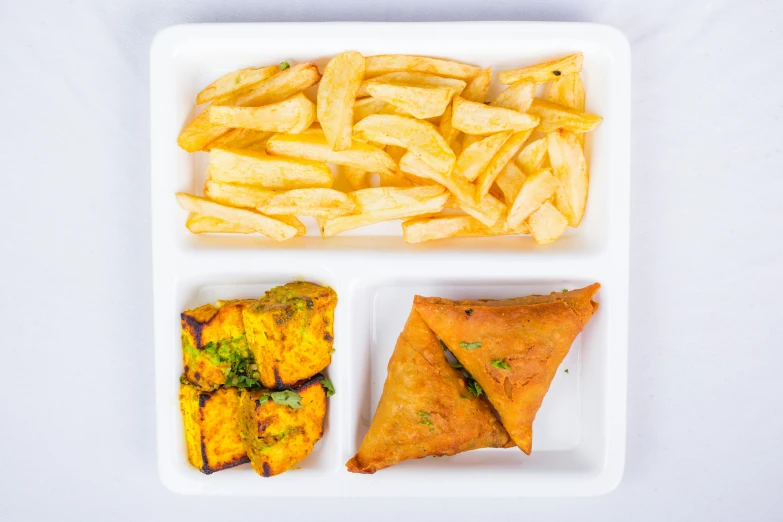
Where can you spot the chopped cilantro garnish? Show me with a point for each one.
(566, 370)
(475, 388)
(328, 386)
(501, 364)
(455, 364)
(284, 66)
(443, 344)
(284, 398)
(565, 290)
(469, 346)
(425, 418)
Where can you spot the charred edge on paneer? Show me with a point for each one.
(290, 332)
(214, 346)
(212, 433)
(277, 436)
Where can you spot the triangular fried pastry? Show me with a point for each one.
(425, 408)
(511, 347)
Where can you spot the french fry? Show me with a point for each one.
(489, 210)
(554, 116)
(246, 196)
(366, 106)
(532, 157)
(270, 227)
(200, 224)
(356, 178)
(419, 102)
(536, 190)
(503, 156)
(419, 137)
(477, 118)
(547, 224)
(336, 96)
(235, 82)
(277, 88)
(470, 139)
(509, 181)
(429, 228)
(393, 180)
(255, 168)
(312, 145)
(568, 91)
(316, 202)
(418, 94)
(241, 139)
(200, 132)
(476, 90)
(570, 169)
(386, 63)
(474, 158)
(517, 97)
(385, 204)
(292, 115)
(543, 72)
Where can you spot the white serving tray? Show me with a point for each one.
(579, 434)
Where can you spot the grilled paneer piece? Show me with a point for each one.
(214, 346)
(280, 429)
(290, 332)
(212, 428)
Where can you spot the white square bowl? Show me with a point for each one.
(579, 441)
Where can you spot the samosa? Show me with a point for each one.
(426, 408)
(511, 347)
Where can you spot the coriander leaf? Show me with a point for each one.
(183, 379)
(565, 290)
(456, 365)
(475, 388)
(263, 398)
(284, 66)
(501, 364)
(469, 346)
(425, 418)
(566, 370)
(331, 351)
(328, 386)
(443, 344)
(287, 398)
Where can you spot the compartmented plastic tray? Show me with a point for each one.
(579, 434)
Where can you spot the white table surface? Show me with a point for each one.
(705, 433)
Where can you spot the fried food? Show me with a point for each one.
(426, 408)
(279, 433)
(570, 169)
(507, 151)
(419, 94)
(512, 348)
(312, 145)
(336, 96)
(316, 202)
(257, 168)
(474, 158)
(387, 63)
(547, 224)
(517, 97)
(241, 139)
(290, 332)
(480, 119)
(419, 137)
(212, 435)
(535, 191)
(429, 228)
(387, 203)
(509, 181)
(200, 132)
(200, 224)
(533, 157)
(282, 85)
(544, 72)
(292, 115)
(235, 82)
(553, 117)
(276, 229)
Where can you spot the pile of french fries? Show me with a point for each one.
(448, 161)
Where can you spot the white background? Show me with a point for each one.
(705, 434)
